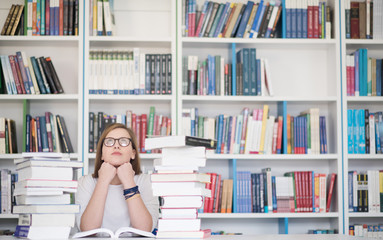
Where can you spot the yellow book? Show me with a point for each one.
(224, 196)
(229, 200)
(233, 20)
(263, 132)
(288, 134)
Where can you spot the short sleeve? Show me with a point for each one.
(86, 185)
(151, 202)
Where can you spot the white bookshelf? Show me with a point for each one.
(358, 162)
(305, 73)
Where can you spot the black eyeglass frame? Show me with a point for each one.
(117, 139)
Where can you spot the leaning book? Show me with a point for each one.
(121, 232)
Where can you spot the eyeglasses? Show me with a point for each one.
(124, 142)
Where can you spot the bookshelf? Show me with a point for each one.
(358, 162)
(305, 73)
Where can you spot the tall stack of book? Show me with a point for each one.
(181, 188)
(43, 195)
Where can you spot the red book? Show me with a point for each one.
(213, 180)
(217, 193)
(348, 77)
(199, 25)
(279, 137)
(298, 190)
(49, 130)
(143, 129)
(15, 74)
(47, 17)
(330, 191)
(206, 199)
(169, 127)
(352, 80)
(310, 20)
(354, 19)
(20, 77)
(304, 191)
(61, 17)
(316, 21)
(310, 191)
(138, 129)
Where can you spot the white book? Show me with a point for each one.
(121, 232)
(11, 80)
(268, 83)
(175, 169)
(178, 141)
(107, 18)
(55, 199)
(50, 155)
(50, 173)
(196, 152)
(185, 161)
(99, 18)
(6, 74)
(47, 220)
(179, 225)
(2, 135)
(131, 72)
(180, 177)
(42, 232)
(371, 120)
(52, 208)
(263, 78)
(322, 193)
(142, 73)
(180, 189)
(46, 183)
(26, 66)
(186, 122)
(269, 135)
(49, 163)
(249, 136)
(370, 198)
(179, 213)
(56, 134)
(181, 201)
(42, 191)
(136, 69)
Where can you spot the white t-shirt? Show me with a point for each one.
(116, 212)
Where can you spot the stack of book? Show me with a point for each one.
(181, 188)
(43, 195)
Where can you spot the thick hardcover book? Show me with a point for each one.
(211, 19)
(43, 75)
(12, 20)
(8, 19)
(16, 75)
(354, 22)
(23, 72)
(49, 130)
(16, 24)
(173, 141)
(244, 19)
(54, 75)
(38, 75)
(48, 75)
(66, 143)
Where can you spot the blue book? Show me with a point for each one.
(299, 11)
(213, 75)
(284, 19)
(229, 133)
(244, 19)
(295, 135)
(51, 18)
(356, 54)
(350, 130)
(220, 14)
(220, 133)
(362, 139)
(236, 25)
(293, 16)
(38, 134)
(378, 77)
(187, 11)
(380, 117)
(253, 72)
(238, 132)
(42, 28)
(350, 191)
(274, 192)
(304, 21)
(356, 131)
(256, 19)
(258, 72)
(243, 57)
(196, 122)
(377, 134)
(305, 133)
(363, 62)
(39, 78)
(23, 72)
(28, 133)
(288, 21)
(225, 15)
(44, 134)
(253, 196)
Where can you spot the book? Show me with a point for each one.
(179, 177)
(181, 201)
(47, 208)
(30, 183)
(178, 141)
(49, 163)
(184, 234)
(42, 232)
(117, 234)
(180, 213)
(47, 199)
(47, 220)
(179, 224)
(56, 173)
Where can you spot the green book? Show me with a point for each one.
(151, 121)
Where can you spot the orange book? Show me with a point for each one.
(34, 18)
(229, 200)
(61, 17)
(224, 196)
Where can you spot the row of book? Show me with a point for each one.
(7, 186)
(364, 74)
(143, 125)
(363, 19)
(364, 132)
(47, 133)
(365, 191)
(8, 136)
(43, 195)
(323, 231)
(24, 75)
(366, 230)
(257, 132)
(129, 72)
(300, 191)
(101, 18)
(43, 17)
(229, 19)
(212, 76)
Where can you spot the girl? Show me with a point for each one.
(117, 194)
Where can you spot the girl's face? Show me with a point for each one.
(117, 147)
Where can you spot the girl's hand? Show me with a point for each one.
(107, 172)
(126, 173)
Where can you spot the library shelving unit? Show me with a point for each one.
(149, 26)
(358, 162)
(305, 73)
(66, 55)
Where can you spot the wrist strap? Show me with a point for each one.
(130, 190)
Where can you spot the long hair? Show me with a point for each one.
(136, 162)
